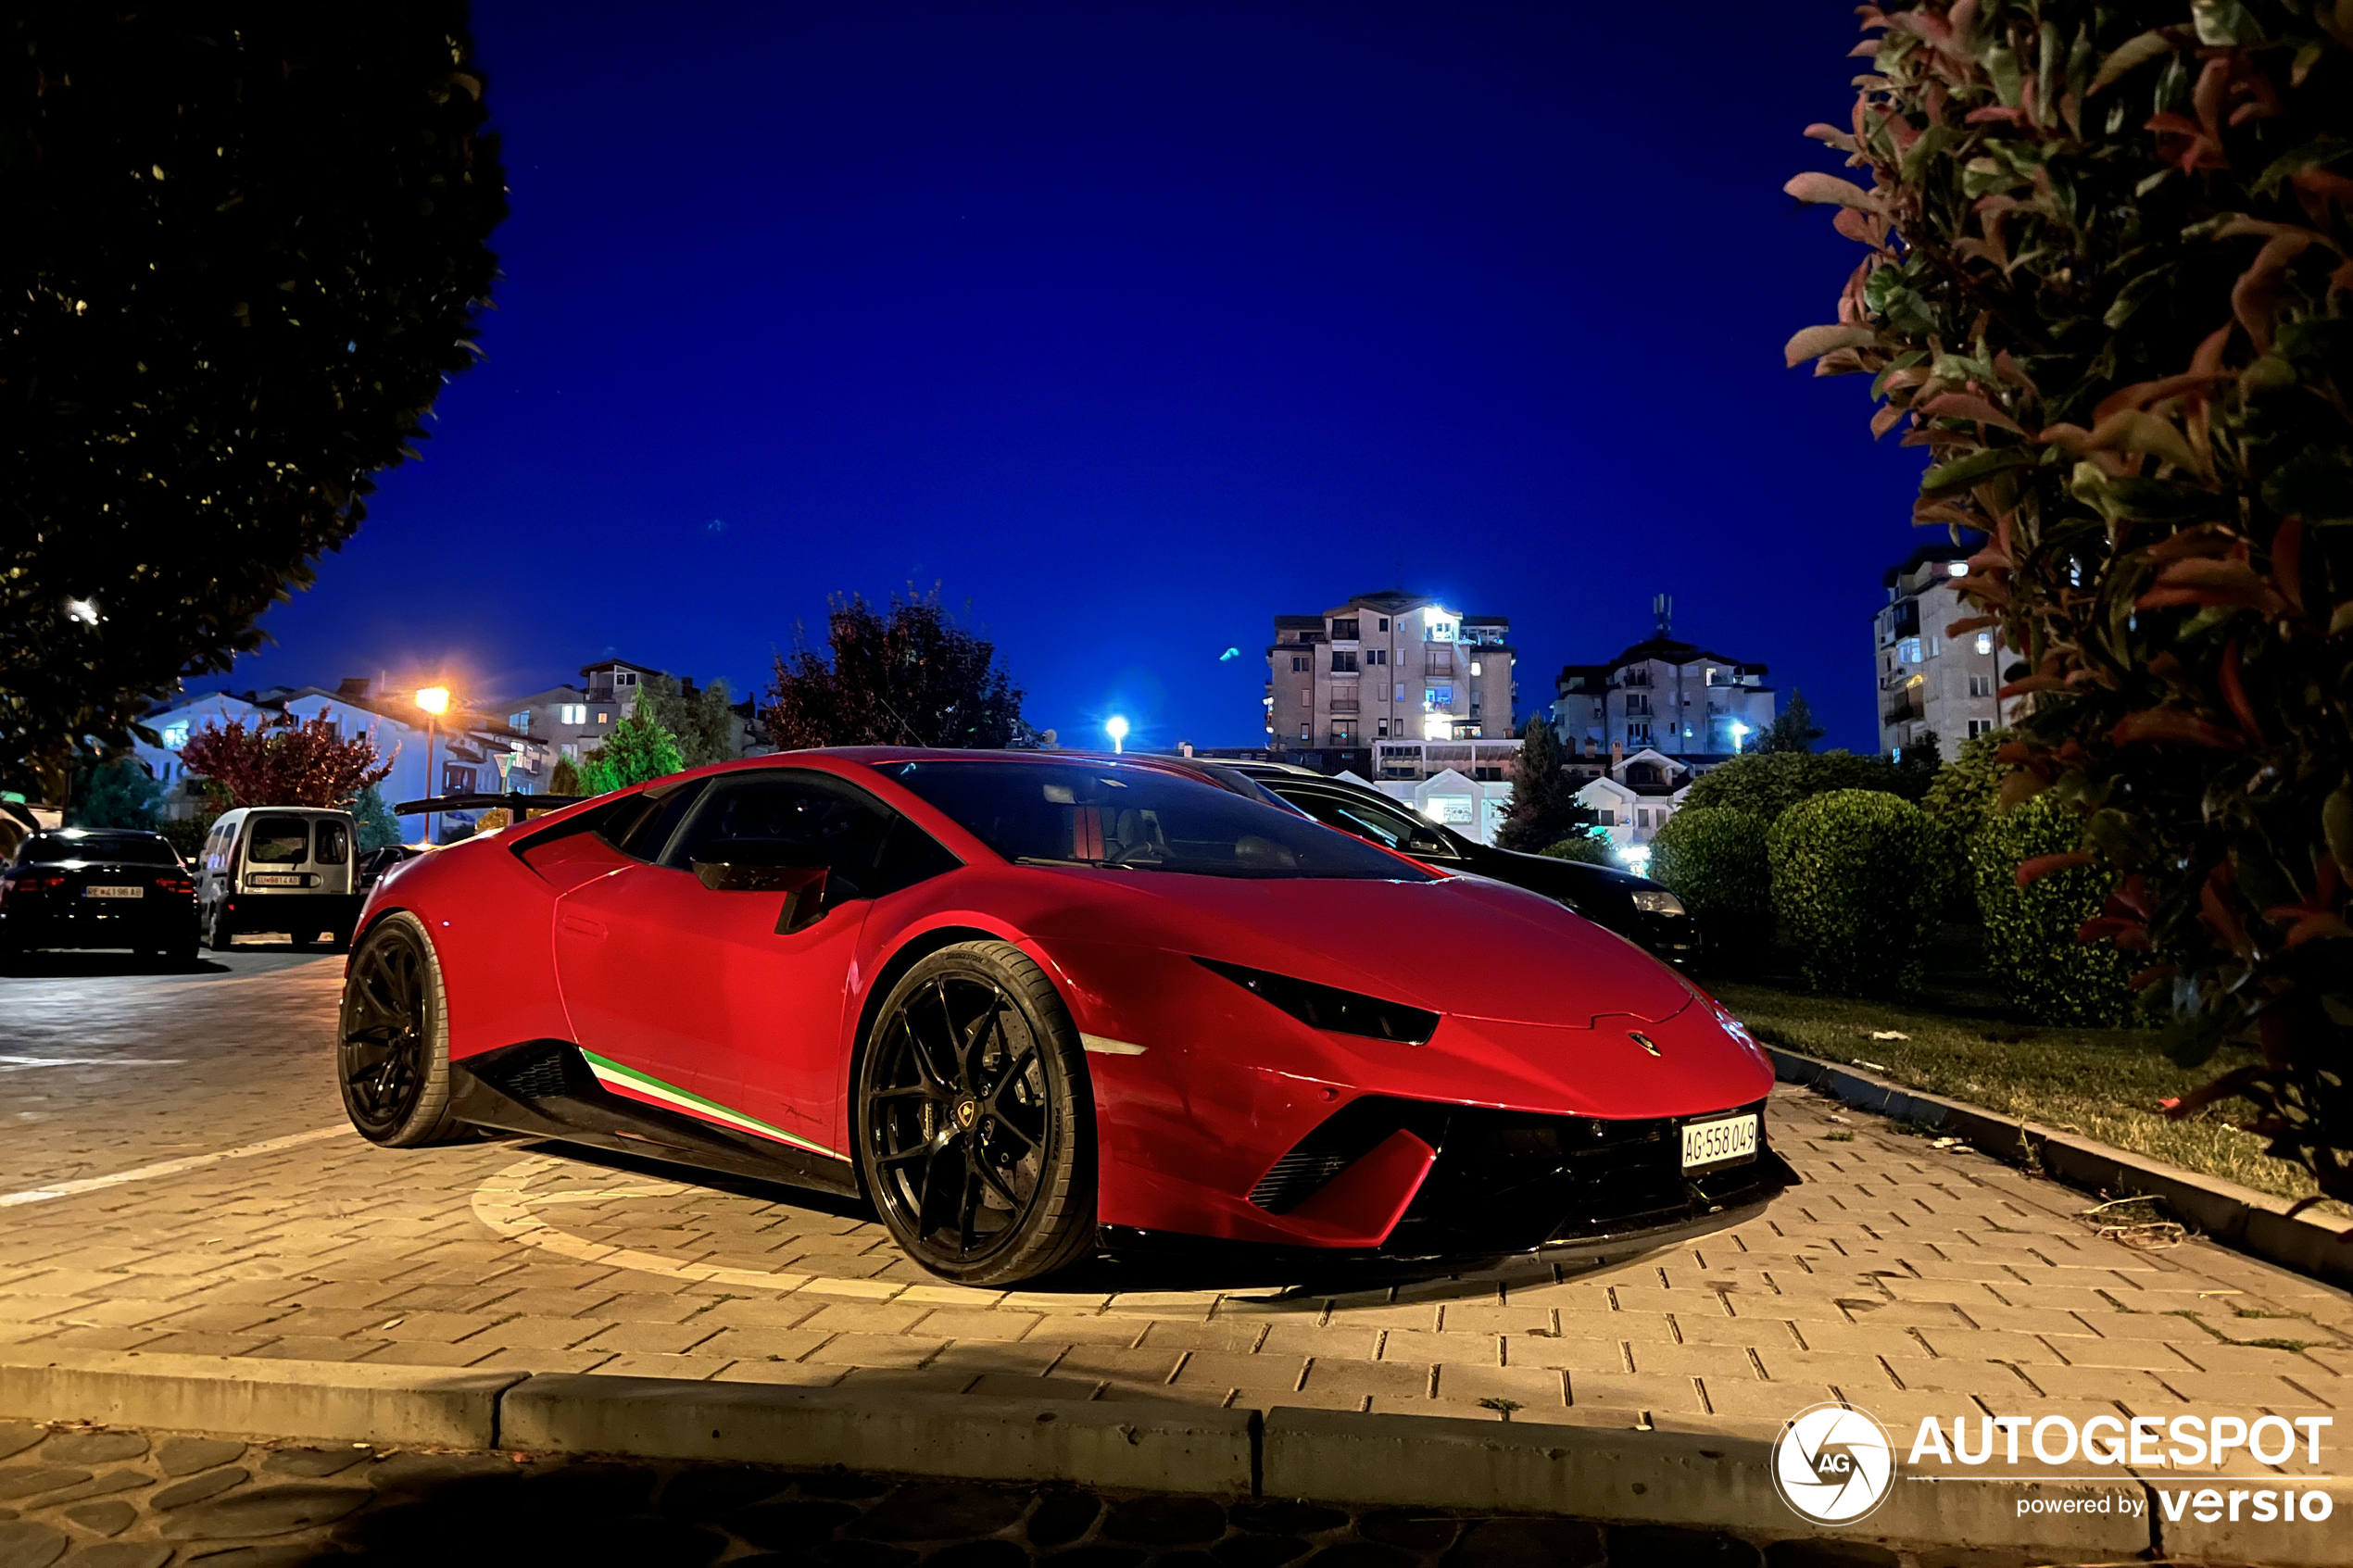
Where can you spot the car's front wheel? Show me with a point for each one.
(974, 1123)
(392, 1057)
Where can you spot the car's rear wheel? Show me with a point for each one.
(976, 1125)
(393, 1055)
(216, 934)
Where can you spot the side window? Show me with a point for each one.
(1392, 827)
(642, 825)
(332, 843)
(791, 817)
(908, 855)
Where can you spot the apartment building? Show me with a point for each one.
(1929, 681)
(1673, 697)
(1382, 667)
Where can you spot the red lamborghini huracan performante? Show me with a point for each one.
(1033, 1005)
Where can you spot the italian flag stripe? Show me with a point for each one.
(646, 1086)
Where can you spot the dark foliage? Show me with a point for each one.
(1712, 858)
(243, 249)
(116, 794)
(1792, 728)
(1544, 809)
(2110, 286)
(908, 676)
(281, 762)
(1771, 783)
(1857, 876)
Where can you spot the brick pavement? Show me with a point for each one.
(1908, 1279)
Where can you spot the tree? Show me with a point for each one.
(2105, 284)
(638, 749)
(244, 249)
(703, 721)
(1969, 789)
(564, 778)
(911, 677)
(1544, 806)
(377, 827)
(1792, 728)
(282, 763)
(1771, 783)
(117, 794)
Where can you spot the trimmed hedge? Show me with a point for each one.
(2030, 949)
(1593, 849)
(1858, 876)
(1712, 858)
(1769, 783)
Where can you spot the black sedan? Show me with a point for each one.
(98, 887)
(1635, 906)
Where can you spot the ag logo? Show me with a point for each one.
(1833, 1463)
(1642, 1040)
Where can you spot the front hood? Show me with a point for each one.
(1464, 946)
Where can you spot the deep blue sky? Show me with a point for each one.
(1134, 325)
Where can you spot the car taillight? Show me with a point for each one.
(40, 882)
(174, 884)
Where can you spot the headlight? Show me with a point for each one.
(1657, 902)
(1326, 1007)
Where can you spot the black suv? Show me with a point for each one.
(1635, 906)
(98, 887)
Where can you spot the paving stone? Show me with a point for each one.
(943, 1512)
(315, 1464)
(185, 1456)
(130, 1554)
(15, 1438)
(988, 1554)
(1414, 1529)
(1257, 1552)
(1279, 1516)
(268, 1511)
(31, 1481)
(1830, 1554)
(1361, 1554)
(716, 1490)
(103, 1518)
(199, 1487)
(1685, 1549)
(788, 1523)
(24, 1544)
(1527, 1543)
(94, 1447)
(1062, 1517)
(1165, 1520)
(113, 1481)
(1090, 1557)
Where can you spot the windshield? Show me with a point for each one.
(119, 849)
(1136, 819)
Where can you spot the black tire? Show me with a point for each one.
(973, 1054)
(216, 934)
(392, 1052)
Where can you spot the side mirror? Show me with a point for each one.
(803, 888)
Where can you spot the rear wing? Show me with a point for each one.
(516, 804)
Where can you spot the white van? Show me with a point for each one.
(279, 868)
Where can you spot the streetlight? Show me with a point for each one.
(1740, 734)
(1117, 730)
(434, 700)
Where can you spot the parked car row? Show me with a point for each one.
(293, 869)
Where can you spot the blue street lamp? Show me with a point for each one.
(1117, 729)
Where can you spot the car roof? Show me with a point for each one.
(92, 832)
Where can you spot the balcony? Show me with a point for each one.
(1438, 668)
(1899, 620)
(1344, 704)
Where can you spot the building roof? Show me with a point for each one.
(1292, 622)
(1668, 650)
(1938, 549)
(1597, 674)
(621, 664)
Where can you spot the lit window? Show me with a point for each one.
(175, 736)
(1474, 667)
(1438, 727)
(603, 717)
(1985, 642)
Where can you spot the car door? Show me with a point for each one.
(743, 1008)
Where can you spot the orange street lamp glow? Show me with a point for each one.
(433, 699)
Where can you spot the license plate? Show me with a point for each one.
(1719, 1142)
(114, 893)
(275, 879)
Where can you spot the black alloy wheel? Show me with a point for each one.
(392, 1056)
(974, 1124)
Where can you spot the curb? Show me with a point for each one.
(1702, 1480)
(2240, 1218)
(248, 1397)
(1168, 1447)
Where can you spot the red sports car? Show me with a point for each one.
(1032, 1006)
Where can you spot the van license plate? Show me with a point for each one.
(1720, 1142)
(275, 879)
(114, 892)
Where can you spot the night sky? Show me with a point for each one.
(1132, 326)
